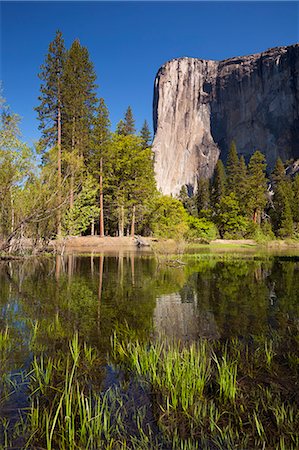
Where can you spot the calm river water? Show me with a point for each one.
(207, 296)
(212, 297)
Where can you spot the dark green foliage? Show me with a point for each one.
(145, 135)
(101, 137)
(79, 99)
(127, 126)
(257, 187)
(232, 168)
(231, 223)
(189, 202)
(242, 191)
(51, 76)
(203, 195)
(283, 200)
(279, 173)
(296, 199)
(219, 183)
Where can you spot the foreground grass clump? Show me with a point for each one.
(218, 395)
(160, 395)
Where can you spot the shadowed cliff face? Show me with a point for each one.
(201, 106)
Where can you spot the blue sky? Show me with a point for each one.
(129, 41)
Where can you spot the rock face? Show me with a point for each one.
(201, 106)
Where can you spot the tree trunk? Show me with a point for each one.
(72, 190)
(102, 231)
(12, 219)
(133, 222)
(92, 228)
(121, 222)
(59, 164)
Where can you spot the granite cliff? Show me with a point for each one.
(200, 106)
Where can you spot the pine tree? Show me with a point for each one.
(145, 135)
(79, 99)
(219, 183)
(295, 203)
(51, 104)
(203, 194)
(257, 186)
(285, 219)
(99, 158)
(120, 128)
(127, 126)
(129, 122)
(232, 168)
(189, 201)
(282, 199)
(279, 173)
(242, 185)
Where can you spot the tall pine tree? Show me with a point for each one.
(126, 126)
(257, 186)
(219, 183)
(100, 153)
(51, 105)
(232, 168)
(145, 135)
(79, 98)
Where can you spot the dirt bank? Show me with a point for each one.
(99, 244)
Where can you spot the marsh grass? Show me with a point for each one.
(168, 395)
(219, 395)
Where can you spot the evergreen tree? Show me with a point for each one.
(219, 183)
(232, 168)
(120, 128)
(145, 135)
(189, 202)
(279, 173)
(242, 185)
(295, 202)
(127, 126)
(257, 186)
(285, 219)
(129, 122)
(282, 199)
(50, 108)
(203, 194)
(79, 99)
(51, 105)
(100, 153)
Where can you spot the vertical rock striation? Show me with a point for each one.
(201, 106)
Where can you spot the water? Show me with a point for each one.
(214, 297)
(207, 297)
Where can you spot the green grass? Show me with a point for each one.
(225, 394)
(220, 395)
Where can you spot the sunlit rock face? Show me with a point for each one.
(201, 106)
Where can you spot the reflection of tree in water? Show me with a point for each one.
(89, 295)
(95, 294)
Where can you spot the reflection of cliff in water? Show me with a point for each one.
(178, 319)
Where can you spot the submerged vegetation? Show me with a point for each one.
(167, 395)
